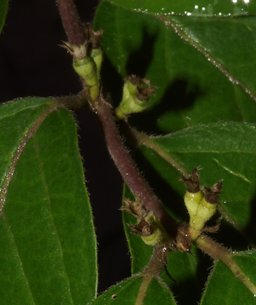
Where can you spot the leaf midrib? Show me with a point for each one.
(25, 109)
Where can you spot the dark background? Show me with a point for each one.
(32, 63)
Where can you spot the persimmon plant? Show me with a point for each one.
(173, 86)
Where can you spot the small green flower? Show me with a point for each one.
(157, 235)
(97, 56)
(201, 206)
(136, 93)
(200, 211)
(86, 68)
(88, 64)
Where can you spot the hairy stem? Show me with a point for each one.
(218, 252)
(128, 169)
(156, 264)
(71, 22)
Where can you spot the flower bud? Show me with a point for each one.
(157, 233)
(201, 206)
(86, 68)
(97, 56)
(136, 93)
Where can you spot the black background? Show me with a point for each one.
(32, 63)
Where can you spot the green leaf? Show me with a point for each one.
(47, 238)
(224, 288)
(3, 12)
(126, 293)
(203, 64)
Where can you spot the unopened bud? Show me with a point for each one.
(201, 206)
(97, 56)
(136, 93)
(86, 68)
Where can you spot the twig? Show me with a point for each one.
(71, 22)
(153, 269)
(128, 169)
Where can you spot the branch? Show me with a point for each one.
(71, 22)
(153, 269)
(128, 169)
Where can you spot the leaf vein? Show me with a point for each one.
(230, 171)
(15, 246)
(48, 200)
(202, 50)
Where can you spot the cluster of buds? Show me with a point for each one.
(201, 204)
(148, 227)
(87, 62)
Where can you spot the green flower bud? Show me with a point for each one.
(97, 56)
(201, 206)
(200, 211)
(86, 68)
(155, 238)
(136, 93)
(158, 234)
(192, 201)
(205, 211)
